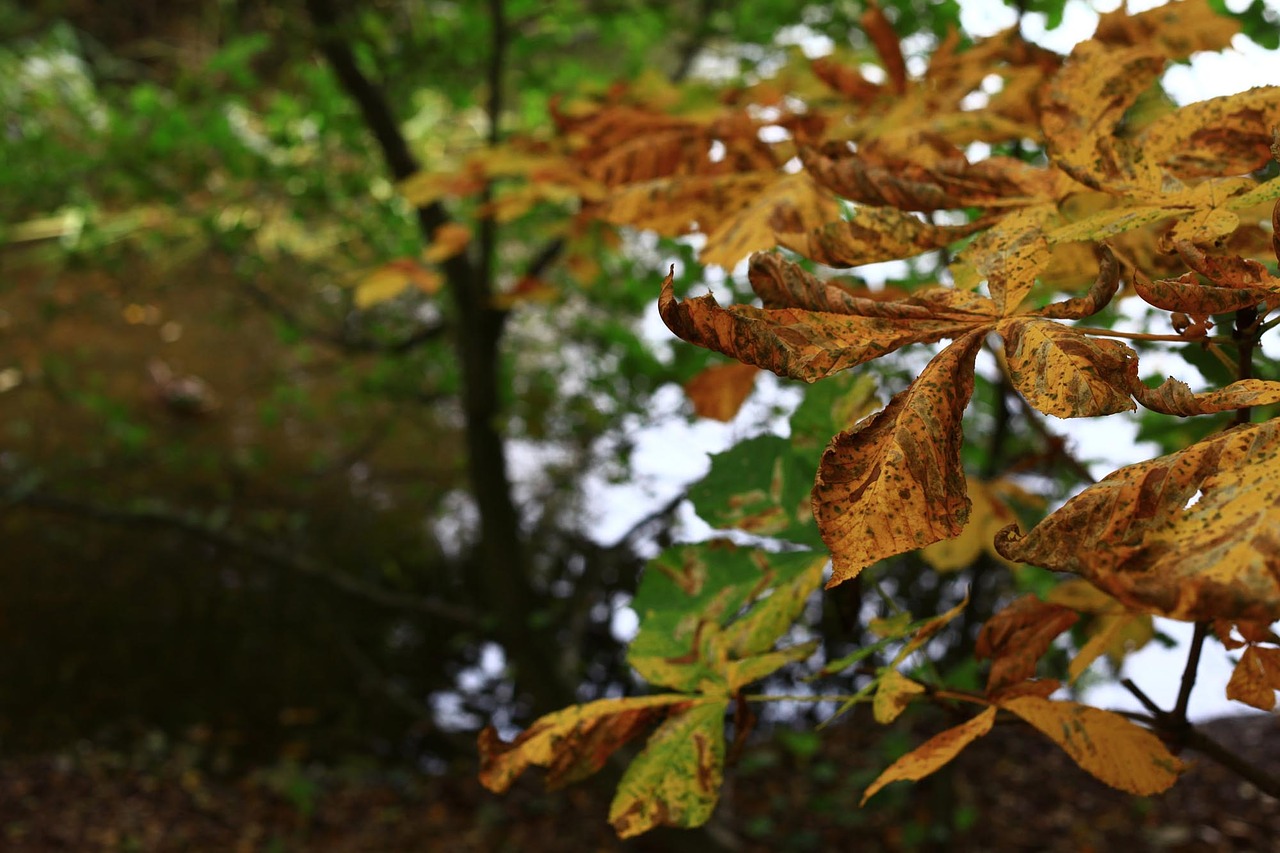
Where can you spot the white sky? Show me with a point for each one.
(674, 454)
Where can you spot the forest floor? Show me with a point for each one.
(1012, 790)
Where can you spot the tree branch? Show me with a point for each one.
(192, 525)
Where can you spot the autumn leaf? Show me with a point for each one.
(449, 240)
(1175, 397)
(703, 607)
(1085, 102)
(1256, 678)
(873, 234)
(719, 391)
(574, 742)
(988, 514)
(1178, 29)
(1010, 255)
(893, 695)
(894, 482)
(933, 753)
(1113, 629)
(1188, 295)
(1063, 373)
(1017, 637)
(880, 31)
(393, 278)
(676, 780)
(1228, 135)
(800, 344)
(1105, 744)
(1191, 535)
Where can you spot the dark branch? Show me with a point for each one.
(1189, 672)
(192, 525)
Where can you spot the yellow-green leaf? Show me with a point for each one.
(893, 695)
(676, 780)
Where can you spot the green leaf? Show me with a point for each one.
(762, 487)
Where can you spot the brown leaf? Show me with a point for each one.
(719, 391)
(1099, 296)
(880, 31)
(790, 203)
(572, 743)
(907, 185)
(1175, 397)
(1103, 743)
(1230, 270)
(1017, 637)
(845, 80)
(1188, 295)
(1063, 373)
(1228, 135)
(894, 482)
(1256, 678)
(933, 753)
(1141, 536)
(799, 344)
(874, 234)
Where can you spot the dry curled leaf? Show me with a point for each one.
(1191, 535)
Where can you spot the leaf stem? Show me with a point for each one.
(1145, 336)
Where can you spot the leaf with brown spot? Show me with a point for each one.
(988, 515)
(1228, 135)
(799, 344)
(1017, 637)
(1103, 743)
(1139, 536)
(1178, 29)
(790, 203)
(1256, 678)
(572, 743)
(873, 234)
(1084, 103)
(1011, 254)
(719, 391)
(1175, 397)
(894, 482)
(933, 753)
(676, 780)
(1231, 271)
(1063, 373)
(893, 694)
(1188, 295)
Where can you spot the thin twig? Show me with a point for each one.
(1189, 672)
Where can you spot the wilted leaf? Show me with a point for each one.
(894, 482)
(893, 695)
(1011, 254)
(1017, 637)
(873, 234)
(792, 203)
(1175, 397)
(719, 391)
(1228, 135)
(1063, 373)
(1256, 678)
(799, 344)
(1142, 536)
(880, 31)
(933, 753)
(1189, 296)
(1098, 297)
(987, 516)
(676, 780)
(1105, 744)
(572, 743)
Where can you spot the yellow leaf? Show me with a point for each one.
(448, 240)
(1111, 635)
(574, 742)
(894, 483)
(893, 695)
(391, 279)
(1063, 373)
(792, 203)
(1256, 678)
(987, 516)
(1103, 743)
(1191, 535)
(1011, 254)
(1178, 29)
(719, 391)
(933, 753)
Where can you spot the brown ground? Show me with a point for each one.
(1010, 791)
